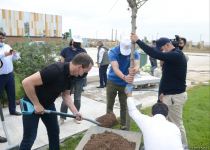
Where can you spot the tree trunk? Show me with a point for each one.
(133, 6)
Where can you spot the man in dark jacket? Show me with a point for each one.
(173, 82)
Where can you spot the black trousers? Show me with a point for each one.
(103, 75)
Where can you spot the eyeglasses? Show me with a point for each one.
(2, 38)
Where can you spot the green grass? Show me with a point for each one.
(197, 117)
(196, 120)
(72, 142)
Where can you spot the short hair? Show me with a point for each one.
(160, 108)
(100, 43)
(2, 33)
(82, 59)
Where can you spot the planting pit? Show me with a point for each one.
(99, 138)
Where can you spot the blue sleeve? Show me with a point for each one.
(112, 56)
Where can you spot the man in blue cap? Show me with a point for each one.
(172, 88)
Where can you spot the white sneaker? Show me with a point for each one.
(61, 121)
(77, 122)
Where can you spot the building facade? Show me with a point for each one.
(19, 23)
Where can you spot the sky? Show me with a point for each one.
(97, 18)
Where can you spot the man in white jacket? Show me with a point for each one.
(158, 133)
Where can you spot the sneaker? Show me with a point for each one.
(61, 121)
(77, 121)
(16, 113)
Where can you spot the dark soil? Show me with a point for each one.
(109, 141)
(108, 120)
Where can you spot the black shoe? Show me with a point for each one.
(16, 113)
(123, 127)
(100, 87)
(3, 139)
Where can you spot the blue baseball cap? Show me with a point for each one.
(161, 42)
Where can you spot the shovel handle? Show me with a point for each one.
(70, 115)
(27, 109)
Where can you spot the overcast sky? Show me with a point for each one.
(97, 18)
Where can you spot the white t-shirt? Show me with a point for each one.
(158, 133)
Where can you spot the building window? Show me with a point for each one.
(26, 29)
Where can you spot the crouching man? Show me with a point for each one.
(158, 132)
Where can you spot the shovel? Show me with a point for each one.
(27, 109)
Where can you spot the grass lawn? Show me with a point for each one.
(197, 117)
(196, 121)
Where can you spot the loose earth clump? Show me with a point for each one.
(108, 120)
(108, 141)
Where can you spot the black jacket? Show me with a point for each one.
(174, 69)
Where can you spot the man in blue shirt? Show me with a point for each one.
(7, 82)
(119, 76)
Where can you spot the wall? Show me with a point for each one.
(19, 23)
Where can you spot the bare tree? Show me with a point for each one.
(134, 5)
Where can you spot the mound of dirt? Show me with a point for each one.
(109, 141)
(108, 120)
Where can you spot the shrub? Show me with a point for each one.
(33, 58)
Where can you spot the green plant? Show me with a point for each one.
(33, 58)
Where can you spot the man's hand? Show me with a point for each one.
(161, 97)
(78, 116)
(39, 109)
(134, 37)
(98, 64)
(129, 78)
(8, 53)
(132, 71)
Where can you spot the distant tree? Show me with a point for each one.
(66, 35)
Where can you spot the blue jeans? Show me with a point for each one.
(77, 88)
(7, 82)
(30, 126)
